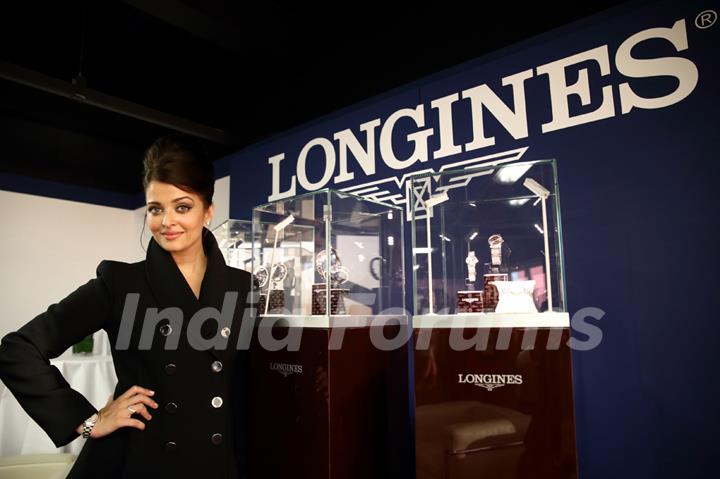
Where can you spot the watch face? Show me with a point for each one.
(91, 420)
(321, 262)
(279, 272)
(337, 273)
(262, 274)
(495, 240)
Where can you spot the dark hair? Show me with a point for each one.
(181, 161)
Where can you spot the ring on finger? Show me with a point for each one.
(131, 410)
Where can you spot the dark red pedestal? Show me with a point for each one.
(319, 413)
(501, 413)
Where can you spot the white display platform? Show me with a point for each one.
(492, 320)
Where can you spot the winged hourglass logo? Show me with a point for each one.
(401, 191)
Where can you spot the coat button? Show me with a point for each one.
(216, 366)
(225, 332)
(216, 402)
(171, 407)
(165, 329)
(170, 446)
(170, 369)
(217, 439)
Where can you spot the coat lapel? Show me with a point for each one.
(172, 290)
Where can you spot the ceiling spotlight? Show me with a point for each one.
(512, 173)
(281, 226)
(436, 200)
(536, 188)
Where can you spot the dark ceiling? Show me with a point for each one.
(237, 71)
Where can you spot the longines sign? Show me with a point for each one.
(286, 369)
(330, 155)
(490, 381)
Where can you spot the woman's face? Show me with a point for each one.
(176, 217)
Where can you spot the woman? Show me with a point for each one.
(176, 407)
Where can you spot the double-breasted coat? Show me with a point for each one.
(163, 338)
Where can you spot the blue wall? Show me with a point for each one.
(637, 205)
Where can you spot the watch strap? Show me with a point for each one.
(88, 425)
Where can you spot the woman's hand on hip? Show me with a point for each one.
(118, 413)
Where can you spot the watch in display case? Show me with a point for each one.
(271, 287)
(513, 205)
(493, 273)
(330, 269)
(328, 225)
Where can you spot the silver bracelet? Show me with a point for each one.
(88, 425)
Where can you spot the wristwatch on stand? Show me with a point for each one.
(88, 425)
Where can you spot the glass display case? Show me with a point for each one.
(328, 241)
(234, 238)
(487, 241)
(331, 346)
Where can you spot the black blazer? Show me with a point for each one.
(189, 436)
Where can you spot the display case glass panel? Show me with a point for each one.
(234, 238)
(488, 240)
(329, 241)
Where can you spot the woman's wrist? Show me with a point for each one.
(85, 429)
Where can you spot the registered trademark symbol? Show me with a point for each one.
(706, 19)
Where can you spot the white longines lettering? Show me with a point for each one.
(490, 381)
(286, 369)
(681, 68)
(350, 152)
